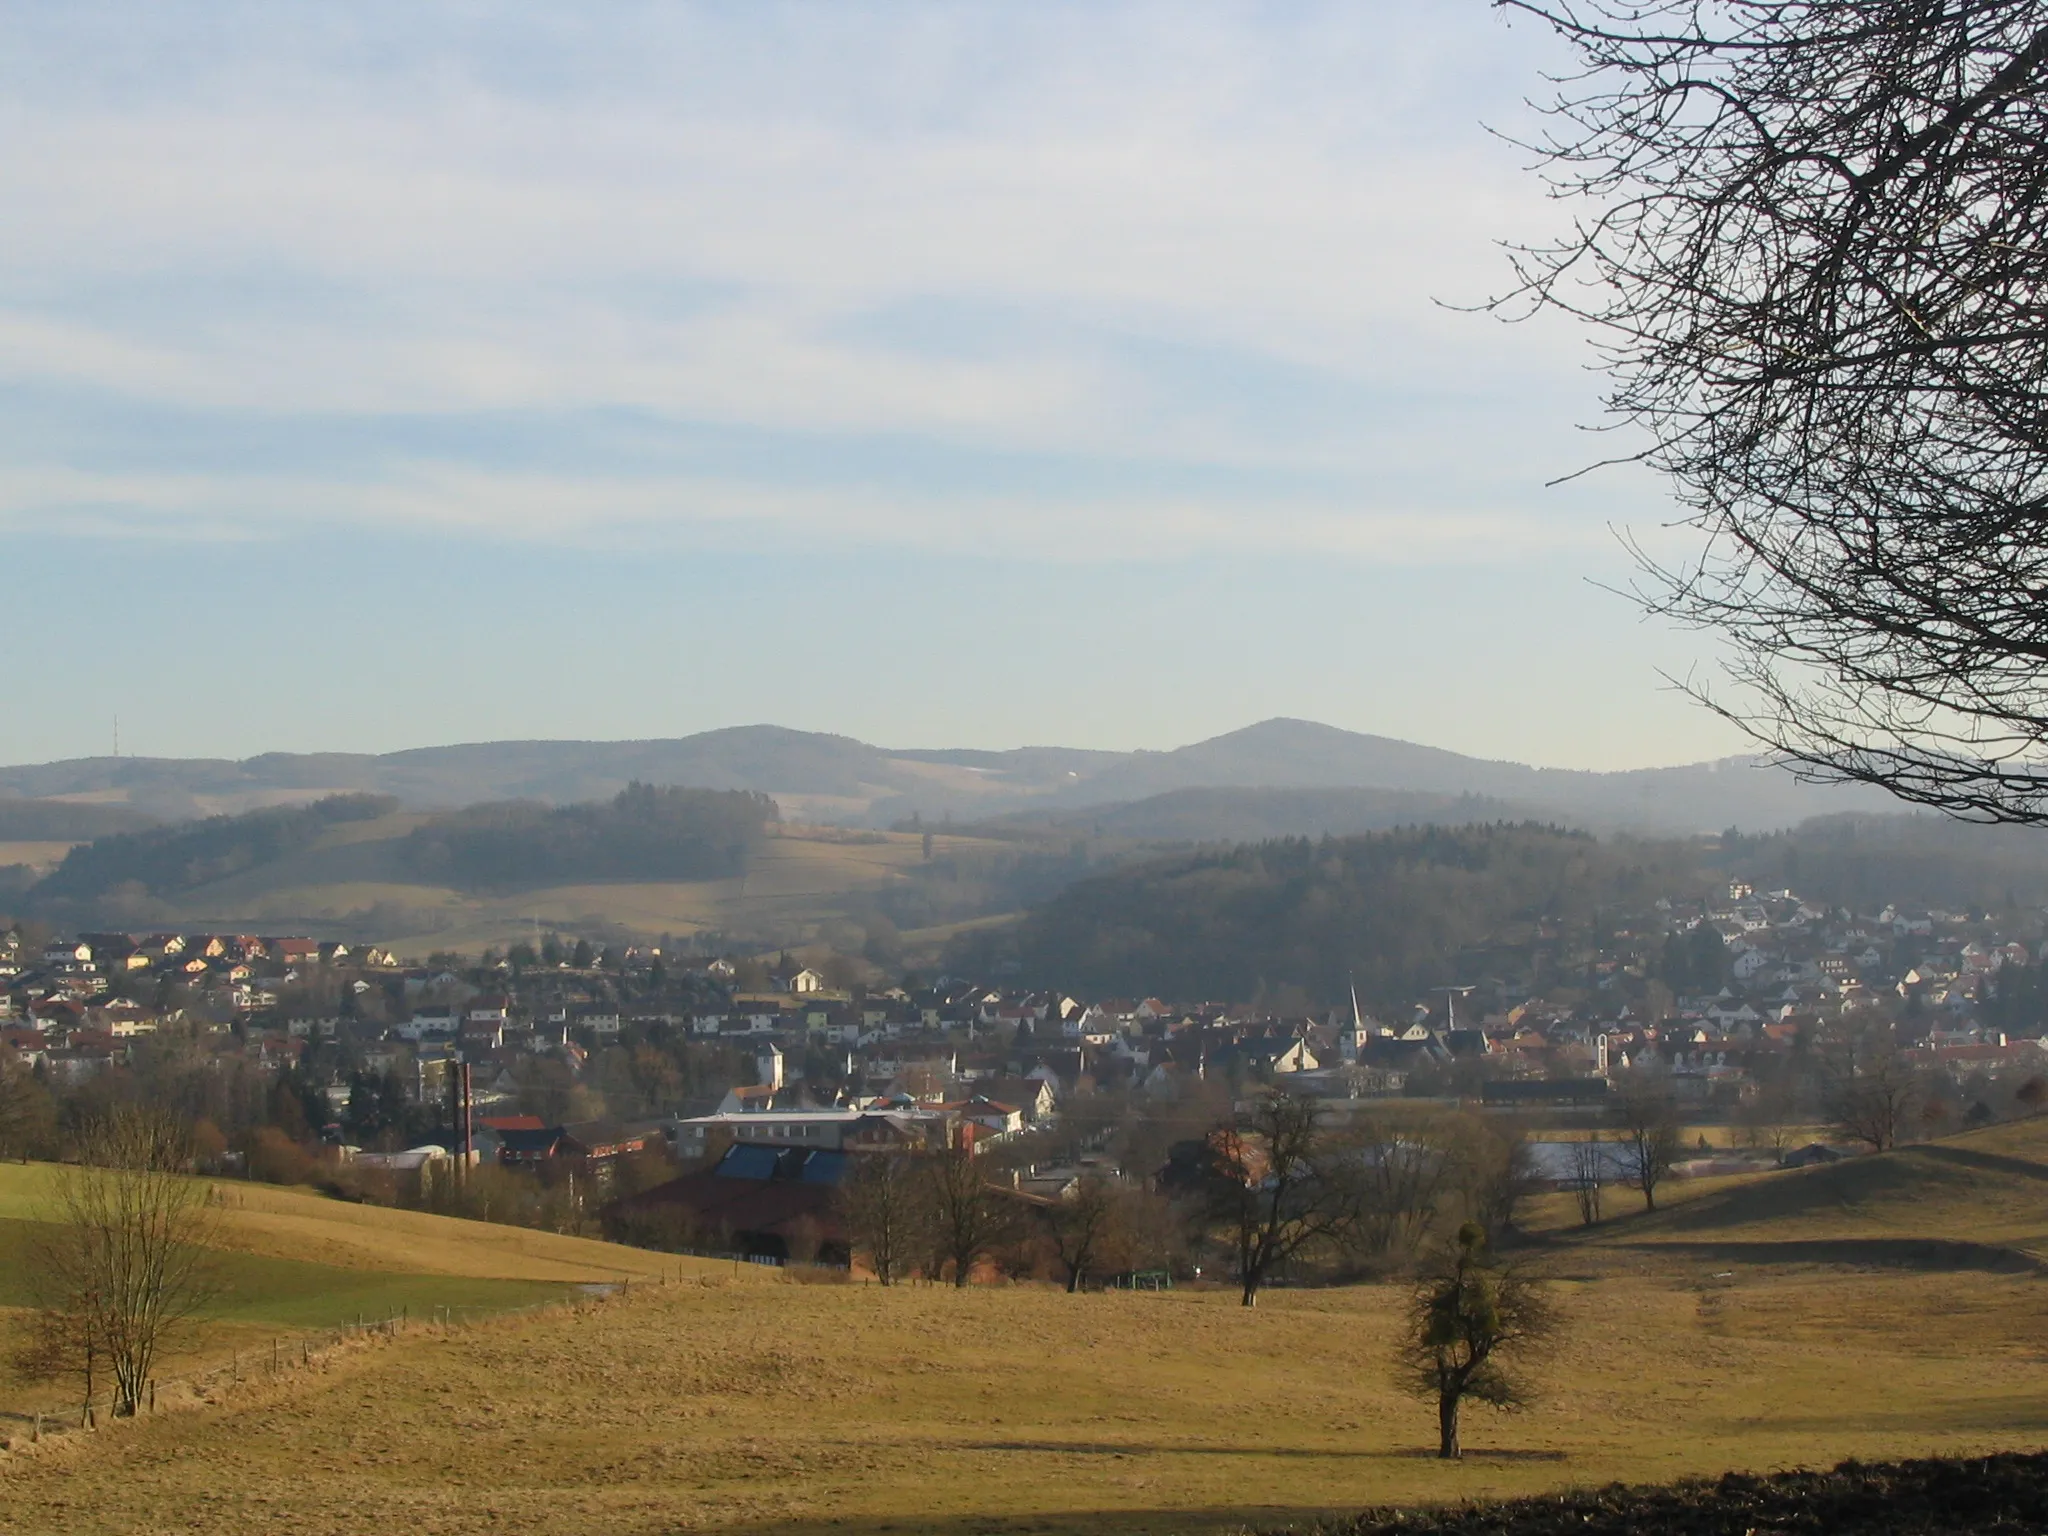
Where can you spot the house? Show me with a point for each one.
(993, 1119)
(428, 1024)
(482, 1034)
(1033, 1096)
(293, 952)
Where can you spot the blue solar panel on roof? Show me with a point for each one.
(825, 1168)
(748, 1163)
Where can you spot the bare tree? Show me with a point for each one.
(1766, 1120)
(1814, 254)
(1496, 1172)
(1874, 1092)
(125, 1263)
(1646, 1120)
(1402, 1174)
(1283, 1184)
(1465, 1315)
(967, 1218)
(1084, 1224)
(1589, 1172)
(881, 1210)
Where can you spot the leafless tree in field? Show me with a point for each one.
(1403, 1172)
(1589, 1172)
(125, 1263)
(1466, 1314)
(1767, 1120)
(1812, 246)
(881, 1208)
(1495, 1170)
(1284, 1185)
(966, 1217)
(1646, 1120)
(1085, 1224)
(1873, 1091)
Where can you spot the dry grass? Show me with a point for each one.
(1977, 1200)
(295, 1224)
(293, 1263)
(791, 1407)
(1800, 1340)
(267, 1221)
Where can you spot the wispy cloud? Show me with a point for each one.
(1196, 242)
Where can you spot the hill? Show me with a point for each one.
(650, 862)
(1391, 913)
(828, 1407)
(1300, 754)
(1259, 815)
(838, 780)
(1965, 1202)
(292, 1262)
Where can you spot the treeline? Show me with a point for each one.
(166, 861)
(1389, 911)
(643, 833)
(1864, 862)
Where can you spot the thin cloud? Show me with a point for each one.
(1204, 237)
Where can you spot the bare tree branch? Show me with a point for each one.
(1814, 259)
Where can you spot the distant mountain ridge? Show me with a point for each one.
(1255, 777)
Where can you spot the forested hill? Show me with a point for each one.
(643, 833)
(1392, 910)
(166, 861)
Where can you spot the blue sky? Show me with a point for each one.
(383, 375)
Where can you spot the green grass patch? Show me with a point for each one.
(288, 1293)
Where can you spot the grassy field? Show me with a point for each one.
(292, 1262)
(1977, 1200)
(1782, 1320)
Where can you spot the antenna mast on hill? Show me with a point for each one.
(117, 735)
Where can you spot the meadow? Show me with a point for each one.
(1790, 1319)
(293, 1265)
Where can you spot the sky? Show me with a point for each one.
(1097, 374)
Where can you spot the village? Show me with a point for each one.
(561, 1055)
